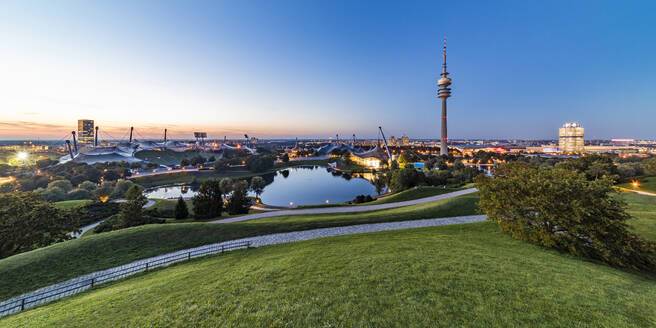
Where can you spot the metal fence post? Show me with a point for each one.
(221, 248)
(189, 256)
(22, 304)
(93, 280)
(146, 266)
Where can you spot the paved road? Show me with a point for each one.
(279, 238)
(346, 209)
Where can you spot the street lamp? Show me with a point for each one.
(635, 184)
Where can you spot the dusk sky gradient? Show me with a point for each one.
(520, 69)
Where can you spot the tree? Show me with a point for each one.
(257, 185)
(79, 194)
(208, 203)
(406, 178)
(181, 211)
(562, 209)
(221, 164)
(26, 223)
(197, 160)
(226, 185)
(54, 194)
(284, 158)
(259, 163)
(88, 186)
(239, 202)
(121, 188)
(379, 182)
(184, 162)
(64, 185)
(132, 213)
(650, 166)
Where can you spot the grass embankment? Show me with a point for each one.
(450, 276)
(41, 267)
(643, 210)
(647, 184)
(410, 194)
(190, 177)
(170, 157)
(68, 204)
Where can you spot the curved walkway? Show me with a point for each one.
(347, 209)
(257, 241)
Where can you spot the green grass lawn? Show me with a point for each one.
(189, 177)
(170, 157)
(469, 275)
(68, 204)
(643, 210)
(647, 184)
(414, 193)
(41, 267)
(410, 194)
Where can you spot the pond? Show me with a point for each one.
(305, 185)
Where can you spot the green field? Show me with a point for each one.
(643, 210)
(647, 184)
(68, 204)
(170, 157)
(468, 275)
(189, 177)
(41, 267)
(410, 194)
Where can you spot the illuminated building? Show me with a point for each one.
(444, 92)
(85, 131)
(405, 141)
(392, 141)
(570, 138)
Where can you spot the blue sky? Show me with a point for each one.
(316, 68)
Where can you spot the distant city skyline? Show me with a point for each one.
(304, 69)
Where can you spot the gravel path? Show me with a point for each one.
(81, 283)
(347, 209)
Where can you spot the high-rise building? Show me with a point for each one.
(85, 131)
(393, 141)
(405, 141)
(444, 92)
(570, 138)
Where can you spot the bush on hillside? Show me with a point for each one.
(563, 209)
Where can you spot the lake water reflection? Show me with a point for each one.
(306, 185)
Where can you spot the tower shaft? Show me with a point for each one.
(444, 148)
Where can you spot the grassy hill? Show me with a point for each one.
(643, 210)
(647, 184)
(41, 267)
(469, 275)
